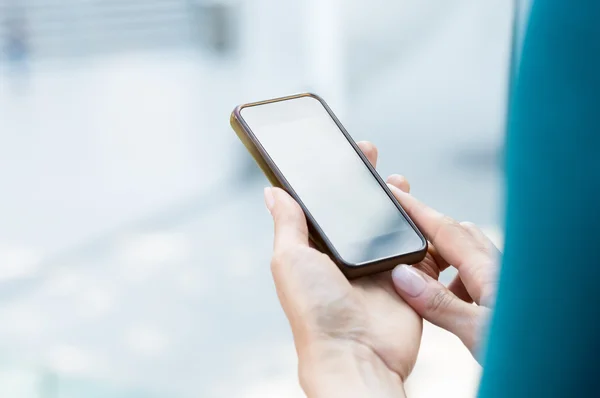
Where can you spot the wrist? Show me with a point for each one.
(343, 368)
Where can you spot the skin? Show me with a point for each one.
(361, 338)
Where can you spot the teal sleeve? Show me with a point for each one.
(544, 338)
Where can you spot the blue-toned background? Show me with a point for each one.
(134, 244)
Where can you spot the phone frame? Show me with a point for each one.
(317, 236)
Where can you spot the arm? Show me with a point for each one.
(544, 334)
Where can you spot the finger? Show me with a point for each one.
(399, 182)
(429, 266)
(450, 239)
(439, 260)
(370, 151)
(477, 234)
(457, 287)
(290, 223)
(435, 303)
(433, 264)
(488, 288)
(474, 231)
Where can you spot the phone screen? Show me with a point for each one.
(346, 201)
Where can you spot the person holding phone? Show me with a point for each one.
(366, 330)
(360, 338)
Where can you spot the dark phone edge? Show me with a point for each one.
(276, 179)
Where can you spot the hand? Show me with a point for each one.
(465, 247)
(354, 338)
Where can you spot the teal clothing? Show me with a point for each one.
(544, 338)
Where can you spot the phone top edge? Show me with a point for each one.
(238, 109)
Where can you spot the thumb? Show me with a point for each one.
(290, 223)
(304, 278)
(435, 303)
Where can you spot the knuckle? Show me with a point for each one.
(488, 263)
(440, 301)
(483, 247)
(484, 267)
(468, 225)
(449, 221)
(447, 226)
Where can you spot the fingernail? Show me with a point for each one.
(269, 198)
(408, 280)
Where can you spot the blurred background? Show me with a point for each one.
(134, 243)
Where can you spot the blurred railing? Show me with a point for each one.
(57, 28)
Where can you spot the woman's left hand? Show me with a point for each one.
(353, 338)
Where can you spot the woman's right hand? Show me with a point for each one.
(461, 245)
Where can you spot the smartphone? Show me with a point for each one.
(352, 215)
